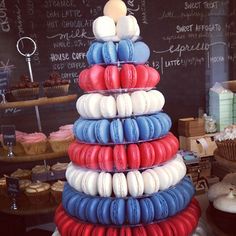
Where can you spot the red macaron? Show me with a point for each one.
(96, 77)
(83, 80)
(119, 157)
(142, 76)
(166, 229)
(99, 231)
(112, 231)
(128, 76)
(112, 77)
(91, 157)
(139, 231)
(133, 156)
(105, 158)
(125, 231)
(154, 230)
(147, 154)
(153, 77)
(160, 152)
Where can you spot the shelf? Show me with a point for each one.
(25, 208)
(28, 158)
(39, 102)
(224, 162)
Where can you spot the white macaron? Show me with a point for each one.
(135, 183)
(157, 100)
(151, 181)
(127, 27)
(93, 106)
(89, 183)
(124, 105)
(140, 102)
(104, 184)
(120, 187)
(163, 177)
(104, 28)
(108, 106)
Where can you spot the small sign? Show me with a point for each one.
(9, 135)
(3, 80)
(13, 187)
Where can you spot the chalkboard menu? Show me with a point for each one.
(193, 43)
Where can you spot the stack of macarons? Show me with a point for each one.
(126, 176)
(182, 224)
(120, 131)
(124, 157)
(130, 210)
(98, 106)
(113, 77)
(135, 183)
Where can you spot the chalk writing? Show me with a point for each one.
(59, 3)
(5, 26)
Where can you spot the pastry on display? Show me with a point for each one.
(56, 190)
(41, 172)
(21, 174)
(25, 89)
(226, 142)
(126, 176)
(55, 86)
(58, 170)
(21, 197)
(38, 193)
(222, 209)
(61, 139)
(34, 143)
(18, 148)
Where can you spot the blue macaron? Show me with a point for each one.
(141, 53)
(109, 52)
(133, 211)
(165, 127)
(81, 211)
(103, 211)
(147, 210)
(89, 54)
(172, 208)
(89, 135)
(125, 50)
(117, 211)
(97, 53)
(146, 128)
(91, 210)
(116, 131)
(71, 205)
(102, 131)
(131, 130)
(79, 124)
(179, 197)
(160, 207)
(157, 127)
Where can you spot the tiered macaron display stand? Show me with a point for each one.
(126, 176)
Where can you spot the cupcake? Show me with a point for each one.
(226, 143)
(23, 184)
(18, 148)
(38, 193)
(41, 173)
(66, 127)
(34, 143)
(3, 186)
(59, 170)
(25, 89)
(56, 190)
(21, 174)
(61, 139)
(55, 86)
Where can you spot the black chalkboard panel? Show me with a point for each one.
(193, 44)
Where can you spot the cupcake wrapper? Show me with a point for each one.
(26, 94)
(227, 149)
(56, 91)
(35, 148)
(17, 149)
(60, 146)
(38, 198)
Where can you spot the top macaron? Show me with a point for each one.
(115, 25)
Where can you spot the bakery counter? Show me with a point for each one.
(29, 158)
(39, 102)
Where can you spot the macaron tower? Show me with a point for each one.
(126, 176)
